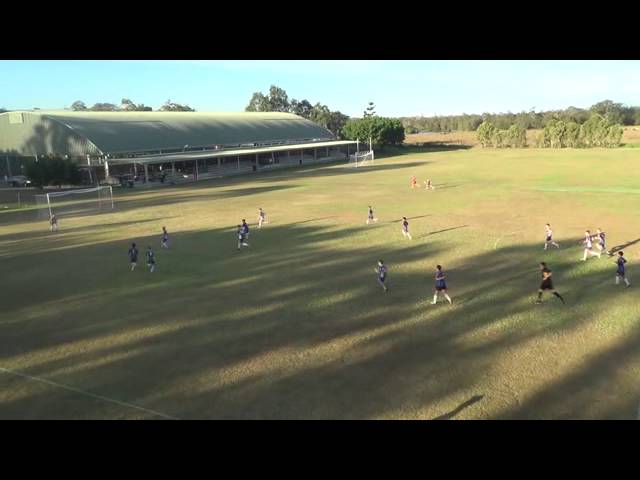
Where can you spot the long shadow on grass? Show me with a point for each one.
(296, 327)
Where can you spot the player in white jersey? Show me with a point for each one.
(588, 246)
(549, 237)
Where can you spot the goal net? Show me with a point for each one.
(361, 159)
(75, 202)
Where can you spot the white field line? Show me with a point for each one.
(87, 394)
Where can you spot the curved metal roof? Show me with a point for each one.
(96, 133)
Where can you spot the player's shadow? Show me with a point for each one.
(459, 408)
(617, 248)
(442, 231)
(444, 186)
(410, 218)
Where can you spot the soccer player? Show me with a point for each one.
(549, 239)
(602, 243)
(381, 270)
(429, 185)
(620, 273)
(133, 256)
(262, 217)
(245, 229)
(441, 286)
(370, 217)
(414, 182)
(53, 223)
(405, 228)
(547, 283)
(151, 259)
(588, 249)
(165, 238)
(241, 239)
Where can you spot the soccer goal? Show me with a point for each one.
(361, 159)
(75, 202)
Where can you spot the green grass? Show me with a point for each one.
(296, 326)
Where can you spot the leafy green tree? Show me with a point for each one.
(484, 133)
(516, 136)
(572, 135)
(103, 107)
(614, 136)
(382, 131)
(276, 100)
(78, 106)
(170, 106)
(370, 111)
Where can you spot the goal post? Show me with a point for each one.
(75, 202)
(361, 159)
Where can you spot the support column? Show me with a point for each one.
(347, 151)
(301, 156)
(195, 172)
(257, 163)
(327, 151)
(173, 172)
(238, 162)
(315, 154)
(288, 156)
(8, 167)
(135, 168)
(106, 169)
(146, 173)
(273, 158)
(219, 163)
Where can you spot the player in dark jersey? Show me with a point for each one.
(53, 223)
(262, 217)
(588, 246)
(621, 272)
(547, 283)
(441, 286)
(602, 243)
(151, 259)
(405, 228)
(549, 237)
(245, 229)
(371, 217)
(133, 256)
(165, 238)
(241, 239)
(381, 270)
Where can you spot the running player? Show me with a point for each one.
(620, 273)
(53, 223)
(405, 228)
(414, 182)
(549, 239)
(245, 229)
(370, 217)
(165, 238)
(588, 248)
(429, 185)
(262, 217)
(602, 243)
(133, 256)
(151, 259)
(441, 286)
(547, 283)
(381, 270)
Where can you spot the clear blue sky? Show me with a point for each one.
(398, 88)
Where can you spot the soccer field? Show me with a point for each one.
(296, 326)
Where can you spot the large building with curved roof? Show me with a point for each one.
(200, 142)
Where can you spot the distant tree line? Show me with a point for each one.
(615, 113)
(52, 170)
(127, 105)
(277, 100)
(596, 131)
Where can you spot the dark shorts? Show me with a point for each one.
(441, 286)
(546, 285)
(134, 260)
(151, 262)
(382, 279)
(548, 238)
(620, 273)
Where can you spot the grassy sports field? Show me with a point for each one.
(296, 325)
